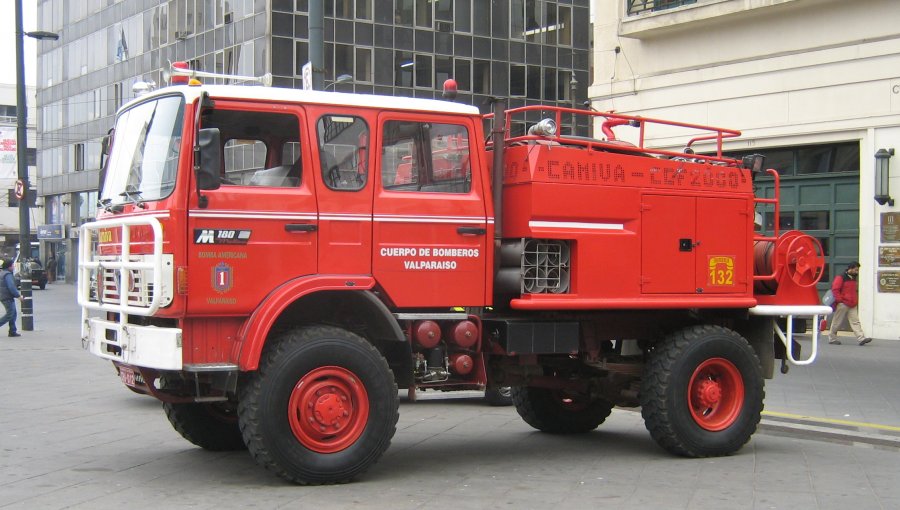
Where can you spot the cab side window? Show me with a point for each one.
(260, 149)
(343, 152)
(428, 157)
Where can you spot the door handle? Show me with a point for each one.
(301, 227)
(471, 231)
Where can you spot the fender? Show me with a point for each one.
(255, 330)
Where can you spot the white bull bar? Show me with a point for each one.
(117, 340)
(814, 311)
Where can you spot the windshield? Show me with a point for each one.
(143, 162)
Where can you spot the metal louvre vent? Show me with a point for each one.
(137, 286)
(545, 267)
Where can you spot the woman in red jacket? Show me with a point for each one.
(846, 297)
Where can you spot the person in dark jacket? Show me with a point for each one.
(846, 298)
(8, 295)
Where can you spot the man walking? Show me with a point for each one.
(8, 295)
(846, 298)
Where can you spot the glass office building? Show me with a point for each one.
(530, 51)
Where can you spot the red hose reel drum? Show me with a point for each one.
(796, 256)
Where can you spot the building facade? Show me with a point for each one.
(812, 84)
(9, 204)
(532, 51)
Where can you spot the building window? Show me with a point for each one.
(364, 9)
(404, 14)
(565, 26)
(463, 16)
(481, 77)
(810, 159)
(363, 72)
(423, 13)
(343, 60)
(642, 6)
(516, 80)
(424, 65)
(462, 72)
(403, 69)
(443, 70)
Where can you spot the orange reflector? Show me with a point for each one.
(181, 281)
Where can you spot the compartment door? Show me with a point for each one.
(668, 244)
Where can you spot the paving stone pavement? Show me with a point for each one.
(72, 437)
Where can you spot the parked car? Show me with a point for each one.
(31, 263)
(38, 275)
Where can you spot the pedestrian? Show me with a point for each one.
(846, 298)
(51, 268)
(8, 295)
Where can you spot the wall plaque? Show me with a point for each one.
(890, 227)
(889, 256)
(889, 281)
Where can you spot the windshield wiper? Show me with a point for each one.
(108, 206)
(133, 196)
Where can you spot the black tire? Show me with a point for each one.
(498, 396)
(211, 426)
(556, 412)
(310, 379)
(702, 392)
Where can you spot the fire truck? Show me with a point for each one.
(274, 265)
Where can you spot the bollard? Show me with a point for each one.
(27, 306)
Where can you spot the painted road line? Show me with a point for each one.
(816, 419)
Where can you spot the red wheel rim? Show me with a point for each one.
(328, 409)
(716, 394)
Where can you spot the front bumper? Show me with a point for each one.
(142, 346)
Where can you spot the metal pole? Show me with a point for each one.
(22, 164)
(317, 42)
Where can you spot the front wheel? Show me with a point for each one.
(702, 392)
(322, 408)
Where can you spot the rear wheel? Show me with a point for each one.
(559, 412)
(212, 426)
(322, 408)
(702, 392)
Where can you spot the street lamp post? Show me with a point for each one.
(22, 165)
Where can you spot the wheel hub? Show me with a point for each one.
(716, 394)
(328, 409)
(708, 393)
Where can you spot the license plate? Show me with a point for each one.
(127, 375)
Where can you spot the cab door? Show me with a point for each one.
(344, 189)
(259, 229)
(429, 223)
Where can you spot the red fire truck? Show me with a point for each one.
(274, 264)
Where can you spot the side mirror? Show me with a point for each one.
(208, 159)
